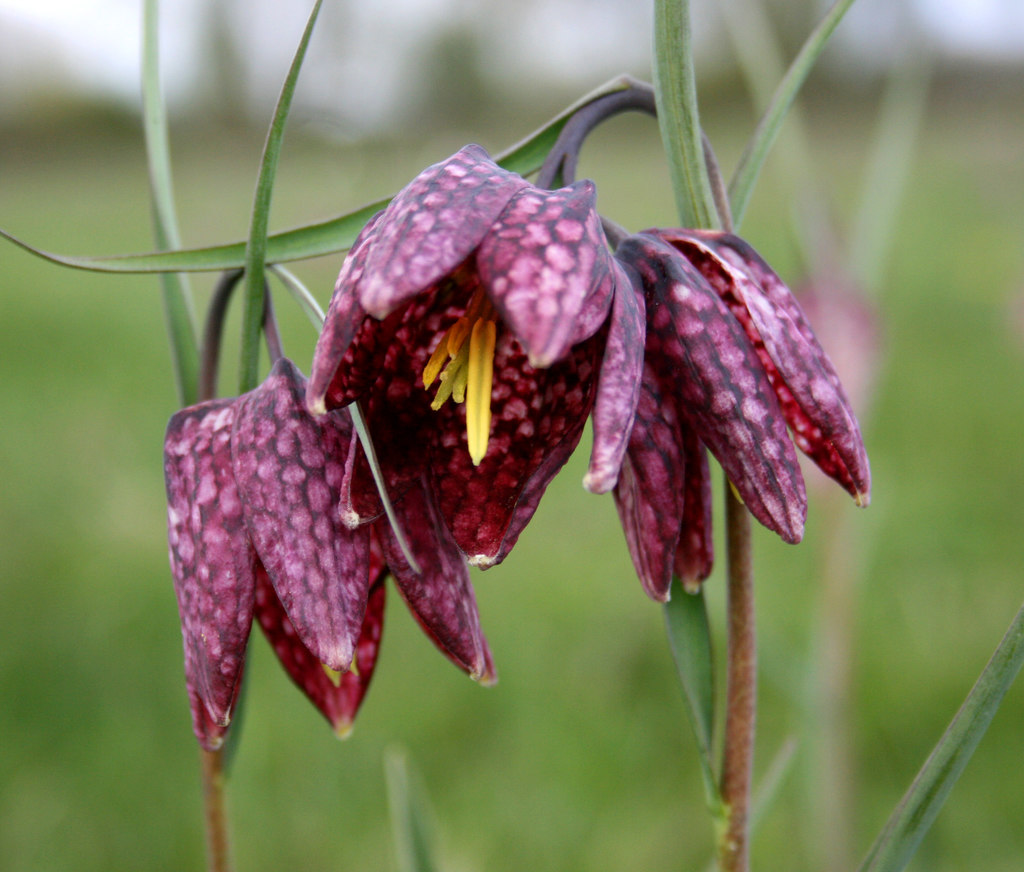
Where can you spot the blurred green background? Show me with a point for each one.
(581, 757)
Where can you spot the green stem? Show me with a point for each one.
(741, 691)
(675, 91)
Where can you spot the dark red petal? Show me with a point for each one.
(649, 494)
(211, 559)
(339, 702)
(812, 397)
(432, 225)
(695, 342)
(534, 412)
(289, 467)
(618, 386)
(344, 318)
(440, 596)
(547, 268)
(695, 553)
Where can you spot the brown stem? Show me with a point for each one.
(217, 859)
(741, 690)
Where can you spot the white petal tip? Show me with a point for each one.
(481, 560)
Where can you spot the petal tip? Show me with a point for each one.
(317, 405)
(862, 499)
(483, 561)
(599, 482)
(691, 585)
(343, 728)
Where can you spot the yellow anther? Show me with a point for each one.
(478, 388)
(437, 360)
(457, 334)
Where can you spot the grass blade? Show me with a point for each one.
(411, 821)
(917, 810)
(689, 637)
(177, 300)
(749, 167)
(256, 247)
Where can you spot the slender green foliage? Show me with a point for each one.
(411, 822)
(178, 310)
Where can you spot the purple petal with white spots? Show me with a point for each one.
(694, 341)
(649, 494)
(289, 467)
(618, 386)
(344, 317)
(432, 225)
(812, 397)
(695, 553)
(544, 263)
(440, 597)
(212, 562)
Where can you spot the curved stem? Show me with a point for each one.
(741, 690)
(563, 158)
(217, 854)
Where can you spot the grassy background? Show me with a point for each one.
(581, 757)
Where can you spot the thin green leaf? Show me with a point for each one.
(689, 637)
(915, 813)
(330, 236)
(749, 167)
(256, 247)
(411, 820)
(675, 94)
(889, 164)
(177, 299)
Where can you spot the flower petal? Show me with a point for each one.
(212, 561)
(338, 702)
(695, 553)
(533, 413)
(432, 225)
(810, 393)
(545, 264)
(289, 467)
(693, 340)
(648, 495)
(344, 318)
(618, 386)
(440, 596)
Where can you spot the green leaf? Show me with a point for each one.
(689, 637)
(177, 298)
(256, 247)
(749, 167)
(917, 810)
(411, 820)
(675, 94)
(326, 237)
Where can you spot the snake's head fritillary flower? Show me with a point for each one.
(470, 321)
(730, 365)
(254, 527)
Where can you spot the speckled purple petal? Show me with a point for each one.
(344, 317)
(544, 265)
(212, 561)
(432, 225)
(440, 597)
(339, 702)
(695, 553)
(649, 493)
(694, 341)
(289, 468)
(618, 386)
(812, 397)
(533, 413)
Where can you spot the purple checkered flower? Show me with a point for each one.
(254, 493)
(473, 321)
(731, 366)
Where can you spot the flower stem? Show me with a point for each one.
(741, 690)
(212, 766)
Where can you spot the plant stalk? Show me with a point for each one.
(217, 853)
(741, 690)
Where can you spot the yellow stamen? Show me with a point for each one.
(437, 360)
(457, 334)
(332, 674)
(478, 388)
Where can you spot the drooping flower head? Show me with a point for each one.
(255, 530)
(470, 321)
(731, 366)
